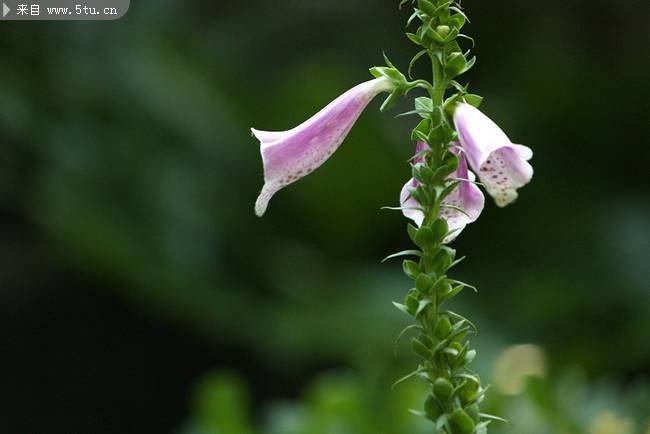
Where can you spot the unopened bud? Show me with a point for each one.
(443, 389)
(456, 64)
(474, 412)
(469, 391)
(463, 424)
(431, 408)
(424, 284)
(443, 327)
(442, 30)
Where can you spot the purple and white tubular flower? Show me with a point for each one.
(290, 155)
(467, 197)
(501, 165)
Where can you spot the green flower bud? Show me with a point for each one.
(411, 268)
(443, 327)
(456, 64)
(474, 412)
(462, 422)
(443, 389)
(411, 302)
(425, 238)
(443, 30)
(455, 346)
(469, 391)
(424, 284)
(431, 408)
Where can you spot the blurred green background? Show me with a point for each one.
(139, 294)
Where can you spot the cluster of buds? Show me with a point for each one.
(457, 146)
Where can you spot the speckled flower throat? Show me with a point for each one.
(458, 150)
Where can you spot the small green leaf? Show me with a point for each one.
(463, 422)
(420, 349)
(415, 58)
(474, 100)
(402, 253)
(403, 333)
(408, 376)
(401, 307)
(460, 317)
(422, 306)
(495, 418)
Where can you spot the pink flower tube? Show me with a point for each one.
(467, 197)
(291, 155)
(501, 165)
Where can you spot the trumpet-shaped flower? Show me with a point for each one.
(291, 155)
(461, 207)
(501, 165)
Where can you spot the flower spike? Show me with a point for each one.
(290, 155)
(501, 165)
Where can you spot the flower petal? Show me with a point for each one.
(501, 165)
(411, 207)
(290, 155)
(503, 173)
(466, 197)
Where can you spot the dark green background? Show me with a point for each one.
(131, 263)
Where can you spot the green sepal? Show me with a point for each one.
(474, 100)
(443, 328)
(422, 173)
(474, 412)
(402, 307)
(462, 422)
(404, 332)
(457, 21)
(462, 318)
(411, 302)
(424, 284)
(416, 57)
(427, 341)
(422, 306)
(441, 261)
(427, 7)
(469, 391)
(425, 238)
(491, 417)
(431, 408)
(412, 231)
(420, 132)
(456, 64)
(402, 253)
(453, 351)
(392, 99)
(440, 229)
(403, 2)
(415, 39)
(424, 107)
(420, 349)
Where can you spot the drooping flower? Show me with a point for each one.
(501, 165)
(291, 155)
(466, 197)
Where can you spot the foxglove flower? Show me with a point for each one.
(501, 165)
(291, 155)
(467, 197)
